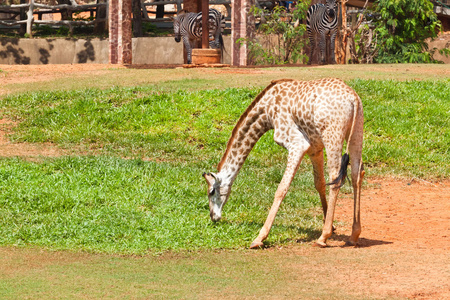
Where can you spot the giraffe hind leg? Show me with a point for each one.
(355, 151)
(334, 153)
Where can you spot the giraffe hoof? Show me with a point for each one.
(351, 244)
(320, 245)
(256, 245)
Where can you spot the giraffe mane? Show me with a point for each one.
(244, 116)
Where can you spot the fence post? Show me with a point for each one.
(23, 16)
(30, 18)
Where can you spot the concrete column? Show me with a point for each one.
(242, 26)
(120, 32)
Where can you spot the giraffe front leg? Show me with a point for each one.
(294, 160)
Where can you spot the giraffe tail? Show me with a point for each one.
(340, 180)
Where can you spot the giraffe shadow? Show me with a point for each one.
(362, 242)
(308, 234)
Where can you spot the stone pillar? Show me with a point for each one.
(120, 32)
(242, 26)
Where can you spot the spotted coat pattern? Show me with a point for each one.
(307, 117)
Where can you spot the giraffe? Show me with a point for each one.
(307, 117)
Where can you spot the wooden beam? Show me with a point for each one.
(360, 3)
(205, 25)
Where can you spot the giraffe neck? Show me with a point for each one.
(249, 129)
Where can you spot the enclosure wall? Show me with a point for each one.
(154, 50)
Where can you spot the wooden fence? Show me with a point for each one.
(32, 8)
(24, 14)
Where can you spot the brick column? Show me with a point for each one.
(242, 26)
(120, 32)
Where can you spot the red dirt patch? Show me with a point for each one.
(10, 149)
(411, 219)
(402, 214)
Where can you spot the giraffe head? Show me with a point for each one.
(217, 194)
(331, 7)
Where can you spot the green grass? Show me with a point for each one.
(116, 202)
(105, 204)
(188, 275)
(407, 127)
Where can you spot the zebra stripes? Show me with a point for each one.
(322, 20)
(188, 26)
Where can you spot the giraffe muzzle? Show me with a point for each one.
(214, 217)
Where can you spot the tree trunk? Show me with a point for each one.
(137, 18)
(342, 35)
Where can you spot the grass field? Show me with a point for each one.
(142, 191)
(129, 182)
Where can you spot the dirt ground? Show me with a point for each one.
(408, 218)
(413, 217)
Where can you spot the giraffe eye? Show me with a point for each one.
(212, 191)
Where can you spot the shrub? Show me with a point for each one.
(280, 36)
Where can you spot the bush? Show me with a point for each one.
(280, 36)
(402, 30)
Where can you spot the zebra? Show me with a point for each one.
(188, 26)
(322, 20)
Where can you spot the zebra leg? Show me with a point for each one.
(189, 44)
(312, 42)
(188, 48)
(323, 48)
(332, 45)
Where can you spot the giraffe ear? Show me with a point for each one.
(211, 179)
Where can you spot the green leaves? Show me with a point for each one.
(406, 122)
(402, 30)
